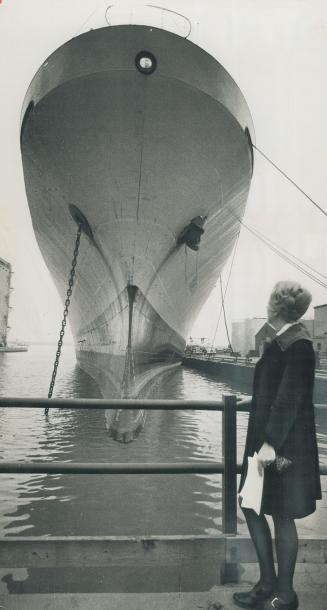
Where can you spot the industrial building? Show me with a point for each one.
(320, 329)
(266, 333)
(251, 334)
(5, 277)
(243, 334)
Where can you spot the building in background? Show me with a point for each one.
(266, 333)
(320, 329)
(243, 334)
(250, 335)
(5, 277)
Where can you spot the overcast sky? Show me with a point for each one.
(276, 50)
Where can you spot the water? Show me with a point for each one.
(114, 505)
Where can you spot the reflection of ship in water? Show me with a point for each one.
(144, 139)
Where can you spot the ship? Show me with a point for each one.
(143, 140)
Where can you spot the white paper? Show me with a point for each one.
(251, 492)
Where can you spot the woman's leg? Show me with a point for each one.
(286, 549)
(261, 537)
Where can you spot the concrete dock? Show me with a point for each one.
(310, 583)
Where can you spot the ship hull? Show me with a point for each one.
(139, 155)
(126, 367)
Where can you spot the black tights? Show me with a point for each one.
(286, 541)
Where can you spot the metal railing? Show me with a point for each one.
(228, 468)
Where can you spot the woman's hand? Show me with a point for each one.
(266, 455)
(243, 401)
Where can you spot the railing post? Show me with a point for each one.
(229, 572)
(230, 465)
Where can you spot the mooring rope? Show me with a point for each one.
(227, 284)
(224, 310)
(284, 254)
(290, 180)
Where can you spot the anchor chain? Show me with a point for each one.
(65, 314)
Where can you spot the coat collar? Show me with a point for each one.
(292, 334)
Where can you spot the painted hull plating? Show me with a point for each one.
(140, 155)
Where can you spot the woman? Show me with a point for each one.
(281, 424)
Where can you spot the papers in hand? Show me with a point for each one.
(251, 492)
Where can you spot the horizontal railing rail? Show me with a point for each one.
(119, 468)
(202, 467)
(112, 468)
(125, 403)
(112, 404)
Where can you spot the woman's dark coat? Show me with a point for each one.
(282, 414)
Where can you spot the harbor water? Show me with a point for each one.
(115, 505)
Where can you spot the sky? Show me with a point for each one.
(276, 50)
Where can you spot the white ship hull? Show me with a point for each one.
(139, 155)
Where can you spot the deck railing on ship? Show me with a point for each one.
(233, 548)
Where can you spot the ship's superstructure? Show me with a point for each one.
(145, 139)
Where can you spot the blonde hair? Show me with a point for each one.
(289, 300)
